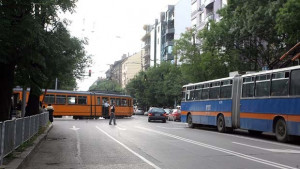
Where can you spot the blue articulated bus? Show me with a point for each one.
(267, 101)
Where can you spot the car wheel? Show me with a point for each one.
(149, 120)
(190, 121)
(221, 124)
(281, 131)
(164, 121)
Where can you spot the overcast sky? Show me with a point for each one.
(113, 28)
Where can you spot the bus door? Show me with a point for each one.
(236, 95)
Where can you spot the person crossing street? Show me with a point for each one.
(112, 114)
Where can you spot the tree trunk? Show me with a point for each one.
(6, 87)
(33, 101)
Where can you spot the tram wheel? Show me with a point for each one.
(221, 124)
(281, 131)
(190, 121)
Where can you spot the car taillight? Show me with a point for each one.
(150, 114)
(165, 114)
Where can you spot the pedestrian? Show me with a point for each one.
(50, 109)
(112, 114)
(106, 106)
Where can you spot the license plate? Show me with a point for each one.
(157, 114)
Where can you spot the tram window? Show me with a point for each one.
(104, 99)
(98, 101)
(72, 100)
(129, 102)
(124, 102)
(205, 93)
(82, 100)
(248, 90)
(118, 102)
(197, 94)
(50, 99)
(262, 89)
(112, 100)
(214, 93)
(295, 82)
(226, 91)
(60, 99)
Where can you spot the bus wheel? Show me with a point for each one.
(190, 121)
(281, 131)
(221, 124)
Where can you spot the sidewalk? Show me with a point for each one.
(21, 158)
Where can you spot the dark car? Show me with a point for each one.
(157, 114)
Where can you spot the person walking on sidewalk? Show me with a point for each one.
(112, 114)
(50, 109)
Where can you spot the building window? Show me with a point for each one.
(194, 6)
(194, 22)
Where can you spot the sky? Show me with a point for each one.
(113, 28)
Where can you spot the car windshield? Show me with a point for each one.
(157, 110)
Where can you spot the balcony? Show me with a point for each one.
(168, 31)
(209, 16)
(207, 3)
(169, 43)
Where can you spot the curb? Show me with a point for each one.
(20, 161)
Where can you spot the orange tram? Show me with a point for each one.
(82, 104)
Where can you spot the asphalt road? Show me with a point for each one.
(136, 144)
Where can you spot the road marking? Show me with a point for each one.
(272, 150)
(262, 161)
(120, 128)
(133, 152)
(253, 139)
(74, 128)
(170, 127)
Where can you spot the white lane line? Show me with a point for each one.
(262, 161)
(254, 139)
(121, 128)
(133, 152)
(170, 127)
(272, 150)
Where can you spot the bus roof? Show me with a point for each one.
(210, 81)
(272, 71)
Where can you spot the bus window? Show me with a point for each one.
(280, 84)
(72, 100)
(183, 94)
(50, 99)
(197, 94)
(205, 92)
(60, 99)
(112, 100)
(262, 86)
(104, 99)
(248, 87)
(124, 102)
(226, 89)
(118, 102)
(98, 101)
(82, 100)
(214, 91)
(295, 82)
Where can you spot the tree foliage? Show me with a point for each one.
(158, 86)
(106, 85)
(36, 48)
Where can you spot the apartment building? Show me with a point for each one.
(204, 10)
(159, 37)
(131, 66)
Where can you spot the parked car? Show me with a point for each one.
(146, 113)
(156, 113)
(168, 111)
(175, 115)
(139, 111)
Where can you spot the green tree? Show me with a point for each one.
(106, 85)
(287, 22)
(36, 47)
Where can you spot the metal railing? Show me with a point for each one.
(14, 133)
